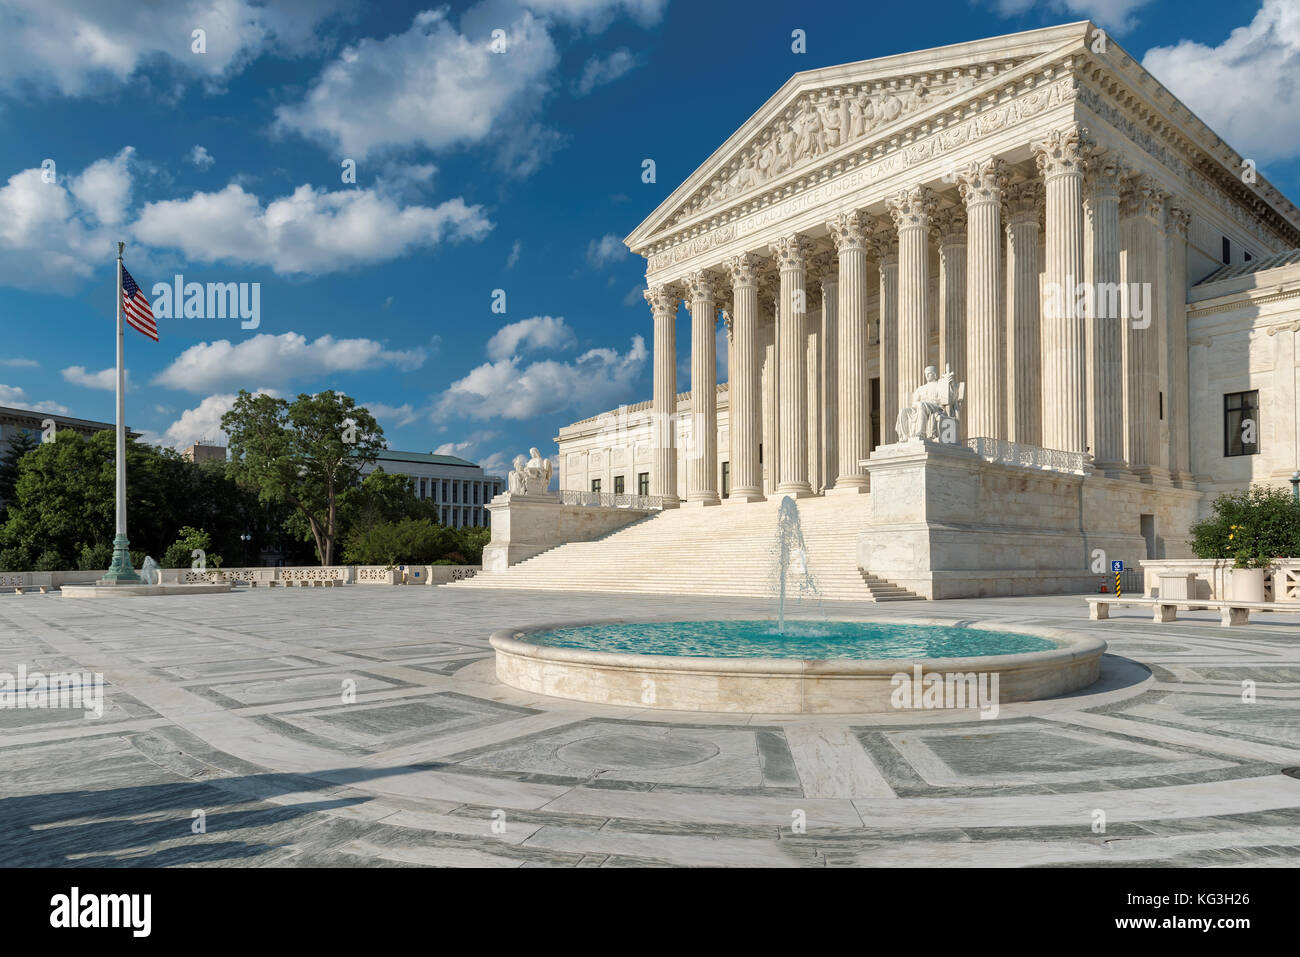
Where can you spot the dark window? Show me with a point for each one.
(1227, 250)
(455, 492)
(1241, 424)
(726, 480)
(875, 413)
(595, 485)
(1246, 257)
(444, 515)
(444, 491)
(618, 485)
(643, 483)
(476, 493)
(760, 453)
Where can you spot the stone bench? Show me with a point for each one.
(1166, 609)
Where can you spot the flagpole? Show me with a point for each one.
(121, 570)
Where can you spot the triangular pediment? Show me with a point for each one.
(819, 114)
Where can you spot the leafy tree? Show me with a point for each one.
(20, 443)
(305, 454)
(179, 555)
(1252, 527)
(414, 541)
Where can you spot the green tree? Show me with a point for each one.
(20, 443)
(180, 553)
(1252, 527)
(305, 454)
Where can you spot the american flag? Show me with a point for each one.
(135, 308)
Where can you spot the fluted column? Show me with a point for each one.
(911, 210)
(884, 247)
(1060, 159)
(1106, 398)
(1024, 380)
(1142, 203)
(1178, 399)
(769, 306)
(744, 420)
(950, 228)
(980, 185)
(663, 301)
(830, 393)
(702, 456)
(792, 374)
(853, 441)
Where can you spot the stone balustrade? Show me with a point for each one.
(611, 500)
(288, 576)
(1030, 456)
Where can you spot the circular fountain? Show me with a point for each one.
(797, 665)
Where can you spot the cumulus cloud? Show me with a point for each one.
(506, 388)
(276, 360)
(608, 249)
(200, 157)
(596, 15)
(539, 332)
(312, 231)
(467, 446)
(430, 86)
(1113, 14)
(55, 230)
(601, 70)
(392, 416)
(1245, 87)
(103, 379)
(79, 46)
(201, 423)
(14, 397)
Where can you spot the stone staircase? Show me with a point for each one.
(722, 550)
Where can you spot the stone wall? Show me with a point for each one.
(524, 527)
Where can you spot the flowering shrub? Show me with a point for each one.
(1254, 528)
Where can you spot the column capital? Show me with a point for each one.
(1142, 195)
(981, 181)
(950, 226)
(1062, 152)
(1104, 175)
(1180, 220)
(912, 207)
(663, 298)
(848, 231)
(1024, 201)
(882, 243)
(791, 251)
(743, 269)
(699, 286)
(820, 265)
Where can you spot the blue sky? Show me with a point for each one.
(475, 171)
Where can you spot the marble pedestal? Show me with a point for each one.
(527, 525)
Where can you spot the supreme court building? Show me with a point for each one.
(1118, 289)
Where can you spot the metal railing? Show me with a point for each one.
(611, 500)
(1030, 456)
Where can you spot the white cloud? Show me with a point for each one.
(78, 46)
(601, 70)
(27, 363)
(608, 249)
(392, 416)
(513, 259)
(200, 157)
(54, 233)
(539, 332)
(201, 423)
(599, 378)
(1245, 88)
(467, 446)
(1116, 15)
(634, 295)
(595, 15)
(103, 379)
(432, 86)
(14, 397)
(311, 231)
(276, 360)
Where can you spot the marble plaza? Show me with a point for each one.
(232, 706)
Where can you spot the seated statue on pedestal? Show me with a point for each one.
(933, 401)
(530, 476)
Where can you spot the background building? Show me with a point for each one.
(204, 452)
(460, 488)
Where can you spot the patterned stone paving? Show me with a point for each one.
(235, 706)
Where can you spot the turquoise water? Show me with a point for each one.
(817, 640)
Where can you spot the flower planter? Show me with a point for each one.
(1247, 584)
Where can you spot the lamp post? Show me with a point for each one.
(246, 537)
(1295, 486)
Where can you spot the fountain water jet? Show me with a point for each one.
(791, 555)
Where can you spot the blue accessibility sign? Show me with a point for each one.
(1117, 566)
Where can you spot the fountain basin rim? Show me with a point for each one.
(1071, 646)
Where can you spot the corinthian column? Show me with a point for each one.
(702, 457)
(884, 248)
(911, 210)
(745, 416)
(1177, 399)
(1060, 159)
(830, 393)
(1106, 400)
(792, 467)
(950, 227)
(1024, 380)
(1140, 259)
(663, 479)
(853, 409)
(980, 185)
